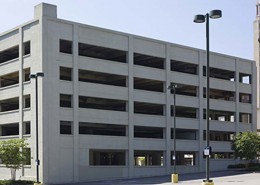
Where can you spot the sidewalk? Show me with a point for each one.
(239, 179)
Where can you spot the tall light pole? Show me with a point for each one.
(37, 161)
(214, 14)
(172, 87)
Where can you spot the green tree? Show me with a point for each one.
(14, 154)
(246, 145)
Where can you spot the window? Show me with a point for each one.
(148, 158)
(65, 46)
(65, 73)
(66, 127)
(220, 74)
(9, 54)
(245, 78)
(102, 129)
(10, 129)
(26, 48)
(184, 67)
(245, 98)
(184, 158)
(9, 79)
(9, 104)
(66, 100)
(148, 85)
(245, 117)
(102, 78)
(27, 101)
(102, 103)
(148, 132)
(148, 108)
(28, 156)
(184, 112)
(102, 53)
(107, 158)
(186, 90)
(184, 134)
(219, 136)
(220, 94)
(13, 78)
(220, 115)
(26, 127)
(222, 155)
(149, 61)
(26, 74)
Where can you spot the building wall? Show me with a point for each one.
(66, 157)
(17, 36)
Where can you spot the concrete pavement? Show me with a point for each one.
(219, 178)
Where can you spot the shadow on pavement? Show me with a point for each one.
(163, 179)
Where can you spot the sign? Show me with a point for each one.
(207, 151)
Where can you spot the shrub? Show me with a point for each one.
(234, 166)
(18, 182)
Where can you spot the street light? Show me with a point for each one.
(37, 161)
(172, 87)
(214, 14)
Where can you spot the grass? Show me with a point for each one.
(16, 182)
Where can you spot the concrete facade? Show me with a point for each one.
(73, 106)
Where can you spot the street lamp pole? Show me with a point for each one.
(172, 87)
(37, 161)
(214, 14)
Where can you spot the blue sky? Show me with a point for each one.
(167, 20)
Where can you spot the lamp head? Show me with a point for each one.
(199, 18)
(172, 86)
(215, 14)
(32, 76)
(40, 74)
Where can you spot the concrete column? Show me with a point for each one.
(75, 105)
(169, 120)
(254, 97)
(130, 61)
(21, 101)
(202, 102)
(237, 97)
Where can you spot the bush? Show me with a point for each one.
(250, 166)
(18, 182)
(254, 167)
(234, 166)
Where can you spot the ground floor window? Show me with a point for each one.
(184, 158)
(148, 158)
(107, 157)
(222, 155)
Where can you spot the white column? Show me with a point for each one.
(130, 107)
(75, 105)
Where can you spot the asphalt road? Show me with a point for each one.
(219, 178)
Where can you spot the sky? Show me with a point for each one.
(166, 20)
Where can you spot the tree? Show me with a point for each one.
(14, 154)
(246, 145)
